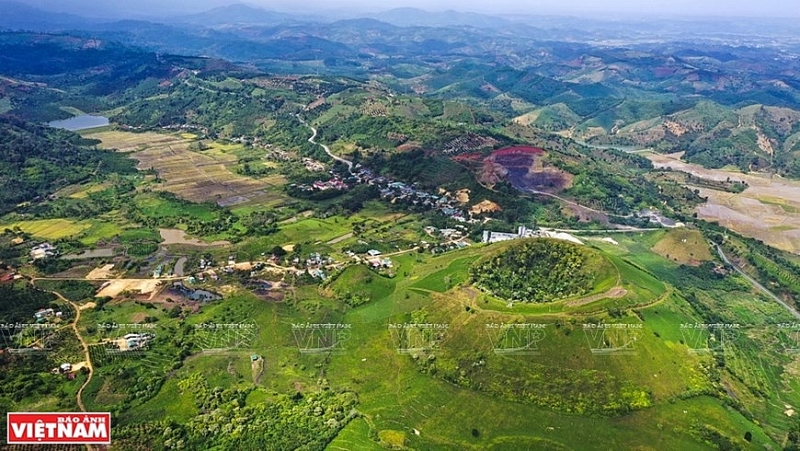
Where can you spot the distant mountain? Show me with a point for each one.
(236, 14)
(414, 17)
(16, 16)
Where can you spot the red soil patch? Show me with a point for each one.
(518, 150)
(468, 157)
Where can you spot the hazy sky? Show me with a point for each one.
(629, 8)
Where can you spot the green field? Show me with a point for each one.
(546, 399)
(160, 207)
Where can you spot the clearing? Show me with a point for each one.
(139, 286)
(616, 292)
(103, 272)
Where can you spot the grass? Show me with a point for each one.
(139, 234)
(455, 273)
(355, 436)
(158, 207)
(396, 397)
(685, 246)
(84, 192)
(72, 110)
(169, 403)
(359, 279)
(100, 231)
(314, 229)
(5, 105)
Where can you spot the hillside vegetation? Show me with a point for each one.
(538, 270)
(36, 161)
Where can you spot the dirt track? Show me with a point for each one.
(614, 293)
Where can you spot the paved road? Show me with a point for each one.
(755, 283)
(326, 148)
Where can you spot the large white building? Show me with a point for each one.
(524, 232)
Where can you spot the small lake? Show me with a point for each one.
(177, 236)
(81, 122)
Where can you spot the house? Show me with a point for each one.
(373, 252)
(65, 367)
(314, 259)
(43, 250)
(450, 233)
(136, 341)
(44, 313)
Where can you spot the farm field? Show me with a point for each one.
(51, 229)
(193, 175)
(87, 232)
(768, 210)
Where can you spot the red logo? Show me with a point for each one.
(26, 428)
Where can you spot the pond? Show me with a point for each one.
(81, 122)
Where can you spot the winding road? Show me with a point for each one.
(324, 147)
(755, 283)
(87, 358)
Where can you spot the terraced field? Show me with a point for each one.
(198, 176)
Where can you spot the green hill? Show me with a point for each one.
(539, 270)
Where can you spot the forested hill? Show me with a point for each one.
(36, 160)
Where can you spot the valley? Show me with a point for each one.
(369, 235)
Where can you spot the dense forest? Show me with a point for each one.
(537, 270)
(36, 161)
(20, 302)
